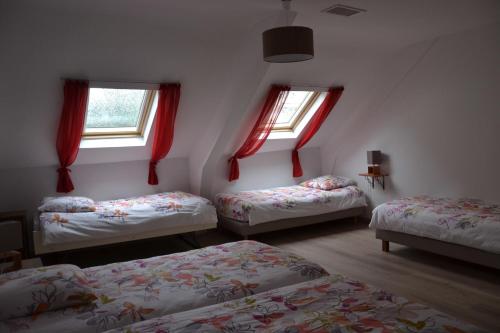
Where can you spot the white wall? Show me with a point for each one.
(23, 188)
(433, 110)
(265, 170)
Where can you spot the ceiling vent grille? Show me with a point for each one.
(343, 10)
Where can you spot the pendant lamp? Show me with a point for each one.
(288, 43)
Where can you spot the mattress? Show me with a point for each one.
(466, 222)
(273, 204)
(143, 289)
(329, 304)
(127, 217)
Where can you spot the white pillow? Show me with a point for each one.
(328, 182)
(31, 292)
(67, 205)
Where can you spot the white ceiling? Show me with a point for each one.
(385, 22)
(394, 23)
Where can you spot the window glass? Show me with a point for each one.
(114, 108)
(292, 106)
(297, 111)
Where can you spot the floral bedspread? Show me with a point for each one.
(262, 206)
(128, 216)
(466, 222)
(142, 289)
(328, 305)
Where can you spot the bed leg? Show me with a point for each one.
(385, 246)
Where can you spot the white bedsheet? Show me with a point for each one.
(262, 206)
(465, 222)
(128, 216)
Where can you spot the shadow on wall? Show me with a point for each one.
(390, 186)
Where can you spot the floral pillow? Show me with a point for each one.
(67, 205)
(328, 182)
(34, 291)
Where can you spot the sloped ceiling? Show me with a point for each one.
(212, 47)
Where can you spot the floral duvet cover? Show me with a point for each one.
(262, 206)
(466, 222)
(128, 216)
(143, 289)
(332, 304)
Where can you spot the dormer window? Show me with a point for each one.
(299, 107)
(118, 117)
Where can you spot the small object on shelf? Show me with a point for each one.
(374, 159)
(371, 178)
(374, 169)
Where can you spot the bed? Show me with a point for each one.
(252, 212)
(114, 221)
(124, 293)
(329, 304)
(465, 229)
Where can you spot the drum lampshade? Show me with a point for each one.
(288, 44)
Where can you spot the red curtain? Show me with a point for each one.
(268, 115)
(70, 130)
(313, 126)
(168, 102)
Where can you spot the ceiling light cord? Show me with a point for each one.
(287, 5)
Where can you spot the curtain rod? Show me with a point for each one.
(107, 81)
(152, 82)
(302, 87)
(111, 82)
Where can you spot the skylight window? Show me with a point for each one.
(117, 112)
(299, 107)
(118, 117)
(112, 108)
(294, 107)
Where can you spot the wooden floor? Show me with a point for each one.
(466, 291)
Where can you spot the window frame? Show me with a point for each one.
(305, 109)
(140, 129)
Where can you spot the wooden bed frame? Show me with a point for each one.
(245, 230)
(439, 247)
(40, 248)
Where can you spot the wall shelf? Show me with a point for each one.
(372, 178)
